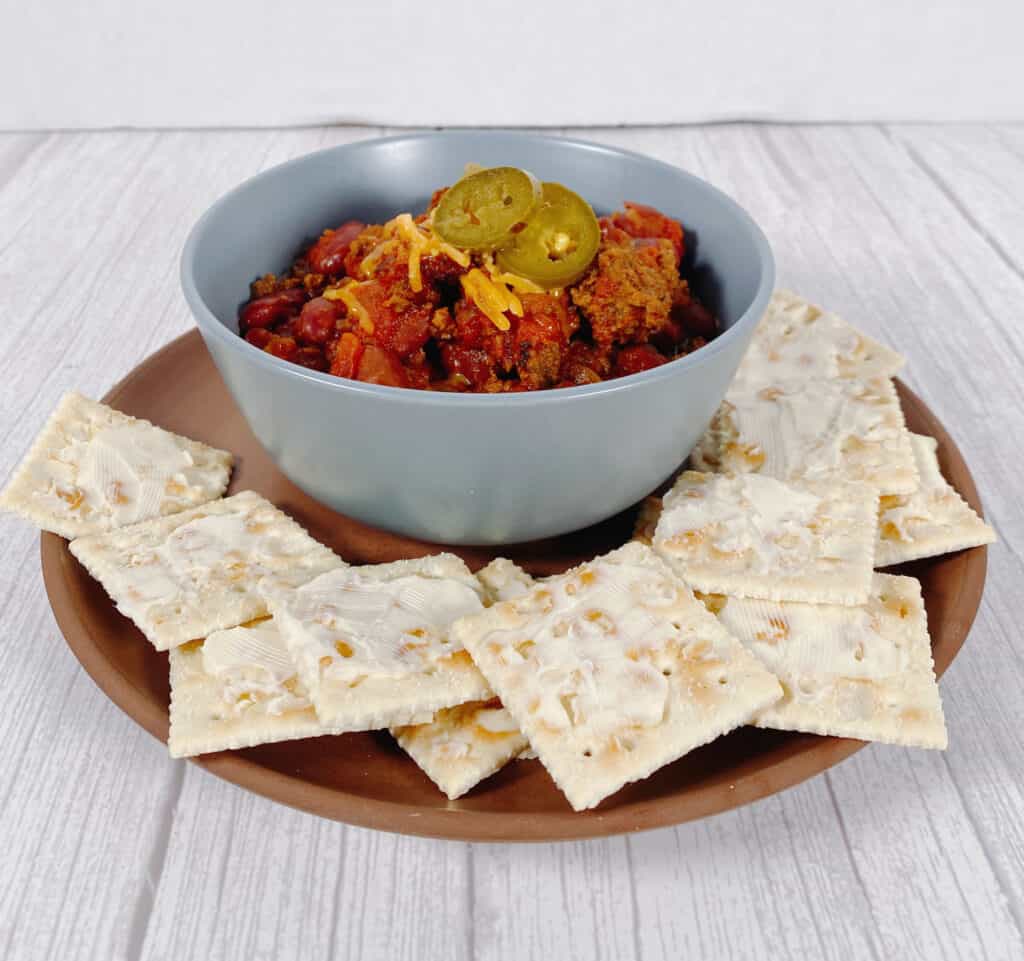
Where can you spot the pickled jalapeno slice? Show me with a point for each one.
(558, 242)
(481, 210)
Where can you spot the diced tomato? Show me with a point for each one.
(541, 339)
(472, 327)
(283, 347)
(265, 311)
(610, 234)
(584, 364)
(327, 255)
(473, 363)
(435, 198)
(418, 370)
(639, 220)
(380, 366)
(632, 360)
(474, 330)
(397, 325)
(346, 356)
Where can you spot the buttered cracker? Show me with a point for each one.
(237, 688)
(183, 577)
(613, 670)
(371, 643)
(799, 341)
(756, 536)
(463, 745)
(862, 672)
(502, 580)
(93, 469)
(935, 519)
(819, 430)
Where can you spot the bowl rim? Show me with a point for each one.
(210, 325)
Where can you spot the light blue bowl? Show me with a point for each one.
(470, 468)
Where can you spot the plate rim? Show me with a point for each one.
(796, 759)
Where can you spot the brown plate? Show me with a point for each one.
(366, 779)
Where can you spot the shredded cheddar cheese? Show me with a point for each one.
(491, 297)
(347, 295)
(521, 285)
(421, 241)
(493, 290)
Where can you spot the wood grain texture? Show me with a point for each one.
(112, 850)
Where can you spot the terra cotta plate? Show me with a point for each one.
(366, 779)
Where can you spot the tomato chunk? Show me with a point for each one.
(399, 324)
(380, 366)
(540, 339)
(470, 363)
(632, 360)
(346, 356)
(283, 347)
(639, 220)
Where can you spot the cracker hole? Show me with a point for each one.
(723, 680)
(667, 671)
(587, 752)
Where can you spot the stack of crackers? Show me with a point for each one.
(748, 595)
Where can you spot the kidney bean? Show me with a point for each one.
(259, 337)
(327, 255)
(285, 328)
(265, 311)
(316, 322)
(311, 357)
(696, 319)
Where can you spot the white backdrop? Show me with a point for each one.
(194, 63)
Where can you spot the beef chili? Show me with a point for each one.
(503, 284)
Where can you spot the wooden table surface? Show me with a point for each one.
(111, 850)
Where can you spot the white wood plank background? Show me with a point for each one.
(110, 850)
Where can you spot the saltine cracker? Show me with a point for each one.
(93, 469)
(613, 670)
(183, 577)
(933, 520)
(371, 643)
(755, 536)
(862, 672)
